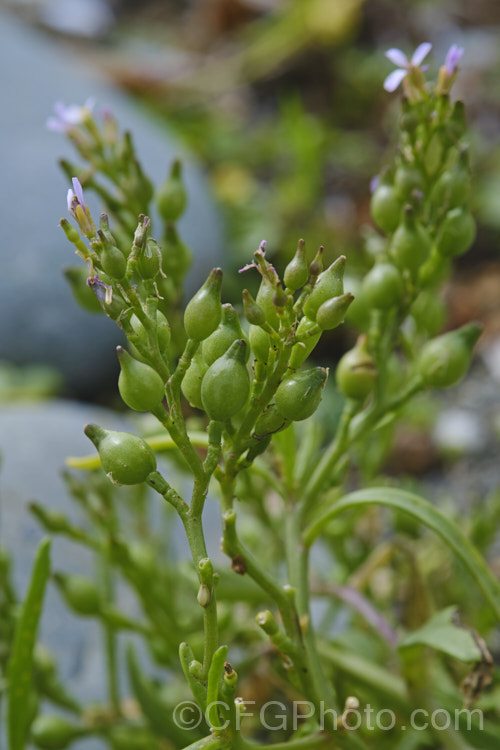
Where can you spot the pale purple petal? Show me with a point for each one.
(421, 53)
(78, 191)
(453, 57)
(69, 198)
(397, 57)
(247, 267)
(394, 79)
(55, 125)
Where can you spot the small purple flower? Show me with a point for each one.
(453, 57)
(67, 117)
(405, 65)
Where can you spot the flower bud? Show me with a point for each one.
(226, 385)
(445, 360)
(385, 207)
(332, 312)
(162, 330)
(265, 300)
(456, 233)
(252, 311)
(76, 277)
(228, 330)
(280, 298)
(260, 343)
(299, 395)
(79, 593)
(297, 271)
(126, 458)
(149, 260)
(50, 732)
(411, 244)
(171, 198)
(269, 422)
(329, 284)
(140, 386)
(112, 259)
(191, 382)
(203, 312)
(306, 342)
(356, 372)
(316, 266)
(383, 287)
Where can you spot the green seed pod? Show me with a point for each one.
(112, 259)
(332, 312)
(299, 395)
(191, 382)
(260, 343)
(149, 260)
(429, 311)
(252, 311)
(306, 344)
(171, 198)
(162, 330)
(411, 244)
(445, 360)
(356, 372)
(269, 422)
(176, 256)
(228, 330)
(53, 733)
(406, 180)
(297, 271)
(265, 300)
(140, 386)
(385, 207)
(453, 187)
(383, 286)
(77, 279)
(79, 593)
(203, 312)
(329, 284)
(126, 458)
(226, 385)
(456, 233)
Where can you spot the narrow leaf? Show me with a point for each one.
(20, 667)
(431, 517)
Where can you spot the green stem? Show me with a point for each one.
(207, 743)
(298, 571)
(330, 457)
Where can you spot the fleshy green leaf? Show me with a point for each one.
(441, 633)
(20, 667)
(427, 514)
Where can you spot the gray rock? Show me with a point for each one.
(40, 320)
